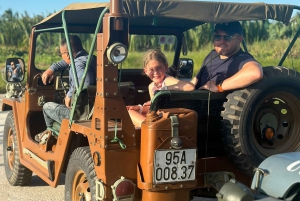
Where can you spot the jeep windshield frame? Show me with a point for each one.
(64, 27)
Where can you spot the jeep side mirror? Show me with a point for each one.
(186, 68)
(15, 70)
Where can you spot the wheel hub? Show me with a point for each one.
(81, 188)
(268, 124)
(10, 150)
(275, 130)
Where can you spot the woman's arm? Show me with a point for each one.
(178, 85)
(151, 93)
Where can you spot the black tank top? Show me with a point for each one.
(218, 69)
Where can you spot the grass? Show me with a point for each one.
(2, 85)
(268, 53)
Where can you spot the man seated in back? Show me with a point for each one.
(227, 67)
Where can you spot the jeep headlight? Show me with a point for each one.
(117, 53)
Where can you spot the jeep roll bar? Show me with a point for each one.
(79, 86)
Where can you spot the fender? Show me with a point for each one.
(7, 104)
(17, 105)
(282, 172)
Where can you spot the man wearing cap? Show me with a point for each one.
(227, 67)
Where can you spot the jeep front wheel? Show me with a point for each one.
(262, 120)
(16, 173)
(80, 176)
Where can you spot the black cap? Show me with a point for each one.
(230, 28)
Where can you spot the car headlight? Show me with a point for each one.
(117, 53)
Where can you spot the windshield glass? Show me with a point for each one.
(47, 48)
(140, 44)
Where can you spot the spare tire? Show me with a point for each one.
(262, 119)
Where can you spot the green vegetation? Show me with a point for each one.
(268, 53)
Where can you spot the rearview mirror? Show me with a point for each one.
(15, 70)
(186, 68)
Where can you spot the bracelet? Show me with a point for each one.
(219, 86)
(141, 108)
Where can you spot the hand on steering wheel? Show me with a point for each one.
(47, 76)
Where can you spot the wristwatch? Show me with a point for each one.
(220, 86)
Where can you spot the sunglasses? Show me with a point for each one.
(60, 54)
(225, 37)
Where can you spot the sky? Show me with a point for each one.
(42, 7)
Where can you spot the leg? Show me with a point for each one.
(136, 117)
(54, 112)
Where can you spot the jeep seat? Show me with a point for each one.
(209, 126)
(127, 90)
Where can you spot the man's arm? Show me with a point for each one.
(90, 79)
(48, 74)
(249, 74)
(16, 73)
(22, 66)
(59, 66)
(79, 66)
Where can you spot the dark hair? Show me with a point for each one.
(75, 43)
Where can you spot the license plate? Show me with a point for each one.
(174, 165)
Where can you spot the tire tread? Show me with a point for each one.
(20, 175)
(233, 109)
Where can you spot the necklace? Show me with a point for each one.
(157, 85)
